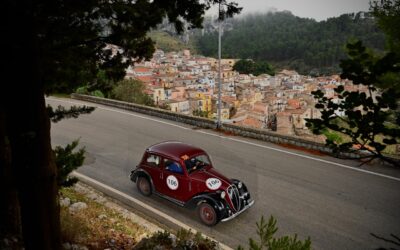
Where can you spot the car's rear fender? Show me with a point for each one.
(138, 172)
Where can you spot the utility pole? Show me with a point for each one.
(219, 67)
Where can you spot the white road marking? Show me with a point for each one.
(145, 206)
(242, 141)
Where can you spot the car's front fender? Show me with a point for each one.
(213, 199)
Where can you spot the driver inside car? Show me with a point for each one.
(174, 167)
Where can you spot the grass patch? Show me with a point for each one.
(97, 226)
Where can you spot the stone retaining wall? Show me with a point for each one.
(211, 124)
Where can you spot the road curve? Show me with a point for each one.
(334, 202)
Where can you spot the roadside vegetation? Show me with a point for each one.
(94, 225)
(128, 90)
(97, 226)
(267, 240)
(184, 239)
(131, 91)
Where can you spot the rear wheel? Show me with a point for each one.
(207, 214)
(144, 186)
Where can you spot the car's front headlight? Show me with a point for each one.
(223, 194)
(240, 184)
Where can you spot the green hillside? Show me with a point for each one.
(287, 41)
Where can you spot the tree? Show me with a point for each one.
(263, 68)
(132, 91)
(388, 15)
(55, 46)
(251, 67)
(244, 66)
(102, 83)
(372, 117)
(266, 232)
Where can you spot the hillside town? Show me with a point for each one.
(188, 84)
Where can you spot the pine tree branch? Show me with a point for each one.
(63, 113)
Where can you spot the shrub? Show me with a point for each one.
(266, 233)
(158, 239)
(97, 93)
(132, 91)
(82, 90)
(185, 239)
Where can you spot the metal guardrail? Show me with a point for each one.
(211, 124)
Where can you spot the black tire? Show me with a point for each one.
(144, 186)
(207, 214)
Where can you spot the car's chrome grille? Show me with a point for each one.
(234, 196)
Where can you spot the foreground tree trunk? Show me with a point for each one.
(34, 168)
(28, 130)
(9, 207)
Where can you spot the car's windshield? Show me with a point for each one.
(197, 162)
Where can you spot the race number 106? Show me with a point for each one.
(172, 182)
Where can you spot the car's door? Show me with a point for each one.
(176, 182)
(153, 166)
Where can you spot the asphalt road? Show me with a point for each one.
(334, 202)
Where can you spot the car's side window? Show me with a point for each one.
(173, 166)
(153, 160)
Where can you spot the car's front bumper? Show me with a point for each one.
(249, 204)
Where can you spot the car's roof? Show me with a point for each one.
(175, 149)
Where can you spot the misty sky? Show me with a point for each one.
(317, 9)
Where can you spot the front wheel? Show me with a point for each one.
(207, 214)
(144, 186)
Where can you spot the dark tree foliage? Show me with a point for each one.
(372, 117)
(388, 15)
(366, 113)
(55, 46)
(287, 41)
(62, 113)
(68, 160)
(102, 83)
(255, 68)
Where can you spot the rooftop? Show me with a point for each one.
(175, 149)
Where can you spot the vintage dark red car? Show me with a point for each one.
(184, 175)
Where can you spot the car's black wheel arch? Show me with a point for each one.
(143, 174)
(213, 199)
